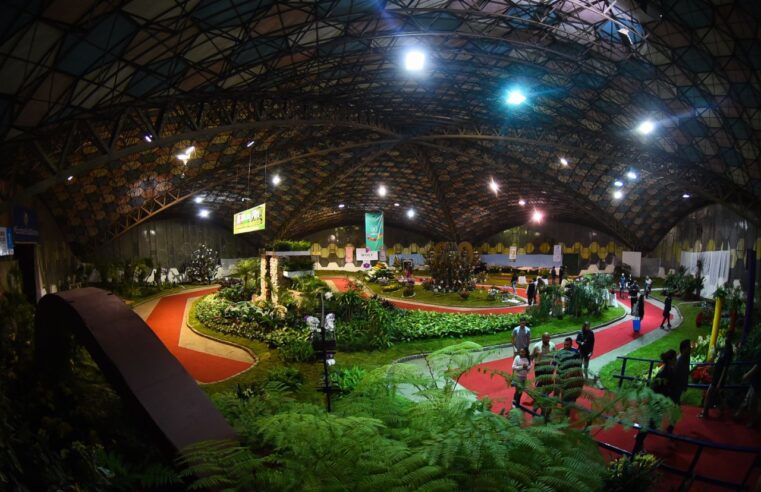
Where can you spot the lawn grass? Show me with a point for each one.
(478, 298)
(269, 359)
(688, 329)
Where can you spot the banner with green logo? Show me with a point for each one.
(249, 220)
(374, 230)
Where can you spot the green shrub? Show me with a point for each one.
(632, 475)
(296, 350)
(289, 377)
(236, 293)
(409, 290)
(413, 325)
(346, 380)
(298, 264)
(283, 245)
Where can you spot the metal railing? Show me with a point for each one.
(690, 474)
(652, 362)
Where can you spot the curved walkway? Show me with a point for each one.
(207, 360)
(341, 284)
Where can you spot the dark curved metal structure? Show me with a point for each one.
(133, 359)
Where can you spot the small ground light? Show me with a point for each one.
(537, 216)
(618, 194)
(276, 179)
(521, 202)
(204, 213)
(494, 186)
(414, 60)
(382, 190)
(631, 175)
(686, 195)
(646, 127)
(564, 161)
(515, 97)
(618, 183)
(411, 213)
(198, 199)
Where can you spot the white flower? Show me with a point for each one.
(328, 295)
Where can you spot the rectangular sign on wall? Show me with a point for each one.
(366, 254)
(557, 253)
(513, 252)
(374, 230)
(6, 242)
(25, 229)
(249, 220)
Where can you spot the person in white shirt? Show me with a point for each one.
(521, 368)
(521, 337)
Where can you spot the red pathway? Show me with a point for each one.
(166, 321)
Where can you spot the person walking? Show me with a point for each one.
(648, 286)
(719, 376)
(681, 374)
(666, 311)
(543, 356)
(570, 377)
(633, 293)
(640, 307)
(553, 275)
(622, 286)
(665, 381)
(521, 368)
(561, 273)
(531, 293)
(521, 337)
(585, 340)
(514, 281)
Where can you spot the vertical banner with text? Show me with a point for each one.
(557, 253)
(374, 230)
(513, 253)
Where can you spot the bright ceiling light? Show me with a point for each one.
(411, 213)
(148, 138)
(69, 178)
(515, 97)
(493, 186)
(686, 195)
(183, 157)
(646, 127)
(618, 194)
(564, 161)
(396, 204)
(190, 150)
(618, 183)
(341, 205)
(414, 60)
(382, 190)
(631, 175)
(204, 213)
(537, 216)
(276, 179)
(250, 144)
(198, 199)
(521, 202)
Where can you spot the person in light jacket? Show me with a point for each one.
(521, 368)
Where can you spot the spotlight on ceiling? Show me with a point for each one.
(686, 195)
(148, 138)
(493, 186)
(618, 183)
(198, 199)
(515, 97)
(341, 205)
(276, 179)
(646, 127)
(537, 216)
(521, 202)
(190, 150)
(631, 175)
(69, 178)
(396, 204)
(618, 194)
(564, 161)
(382, 190)
(204, 213)
(250, 144)
(411, 213)
(414, 60)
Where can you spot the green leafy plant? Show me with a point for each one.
(247, 270)
(289, 377)
(203, 265)
(347, 380)
(298, 264)
(285, 245)
(636, 474)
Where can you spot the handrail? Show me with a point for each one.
(625, 358)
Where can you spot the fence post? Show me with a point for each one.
(639, 441)
(623, 373)
(650, 372)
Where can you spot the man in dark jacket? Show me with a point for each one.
(682, 369)
(586, 343)
(633, 291)
(531, 292)
(666, 311)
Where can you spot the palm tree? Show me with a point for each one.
(246, 269)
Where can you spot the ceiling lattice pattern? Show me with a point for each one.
(83, 83)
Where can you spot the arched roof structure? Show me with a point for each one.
(320, 89)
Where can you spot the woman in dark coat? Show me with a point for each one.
(666, 311)
(640, 311)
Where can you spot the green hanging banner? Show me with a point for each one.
(374, 230)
